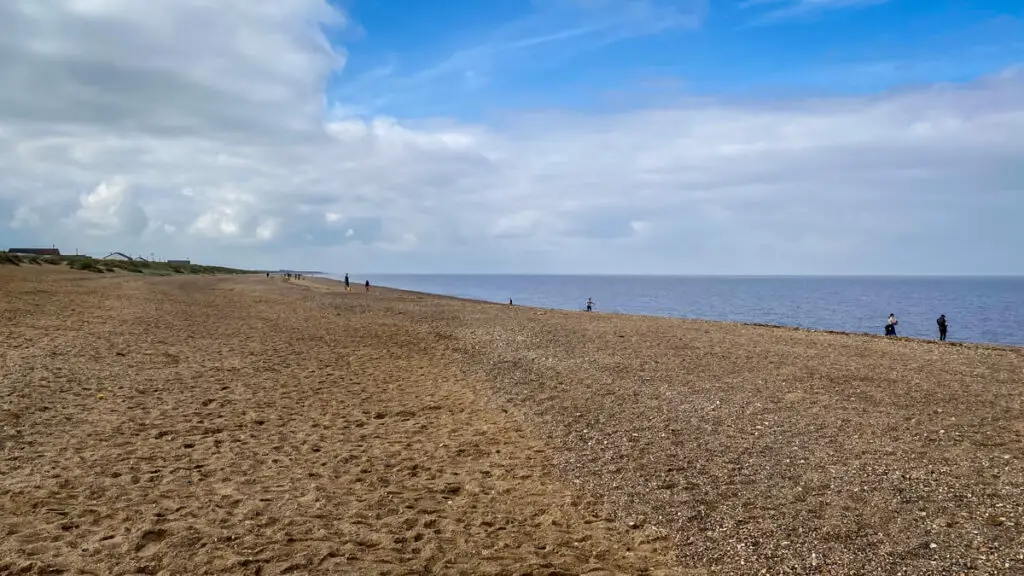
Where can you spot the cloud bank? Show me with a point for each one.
(199, 128)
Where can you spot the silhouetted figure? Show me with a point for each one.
(510, 302)
(590, 305)
(367, 285)
(890, 326)
(943, 327)
(348, 287)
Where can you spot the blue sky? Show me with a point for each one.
(547, 136)
(468, 59)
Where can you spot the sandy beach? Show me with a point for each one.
(246, 425)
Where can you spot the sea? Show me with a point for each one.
(978, 309)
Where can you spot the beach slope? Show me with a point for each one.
(245, 425)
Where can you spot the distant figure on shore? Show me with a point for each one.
(590, 305)
(268, 274)
(348, 287)
(943, 327)
(367, 285)
(890, 326)
(510, 302)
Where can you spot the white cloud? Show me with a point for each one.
(267, 229)
(217, 223)
(640, 226)
(216, 148)
(109, 209)
(789, 9)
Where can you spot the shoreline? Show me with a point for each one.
(981, 345)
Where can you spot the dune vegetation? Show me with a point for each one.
(99, 266)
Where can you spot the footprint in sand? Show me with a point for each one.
(149, 542)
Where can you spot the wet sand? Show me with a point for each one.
(245, 425)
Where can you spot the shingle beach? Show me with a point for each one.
(253, 425)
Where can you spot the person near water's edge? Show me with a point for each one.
(890, 326)
(590, 305)
(943, 327)
(367, 285)
(348, 287)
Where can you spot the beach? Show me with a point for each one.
(253, 425)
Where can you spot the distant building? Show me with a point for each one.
(118, 256)
(35, 251)
(180, 262)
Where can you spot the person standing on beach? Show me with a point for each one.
(348, 287)
(367, 286)
(590, 304)
(941, 321)
(890, 326)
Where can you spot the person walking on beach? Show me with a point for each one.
(890, 326)
(590, 304)
(367, 286)
(348, 287)
(941, 321)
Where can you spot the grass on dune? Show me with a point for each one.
(88, 264)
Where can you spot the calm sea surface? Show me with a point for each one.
(977, 309)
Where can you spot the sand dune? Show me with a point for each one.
(256, 426)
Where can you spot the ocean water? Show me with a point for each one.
(978, 309)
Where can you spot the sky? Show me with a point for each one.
(519, 136)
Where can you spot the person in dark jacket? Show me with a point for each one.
(943, 327)
(890, 326)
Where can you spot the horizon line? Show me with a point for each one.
(706, 275)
